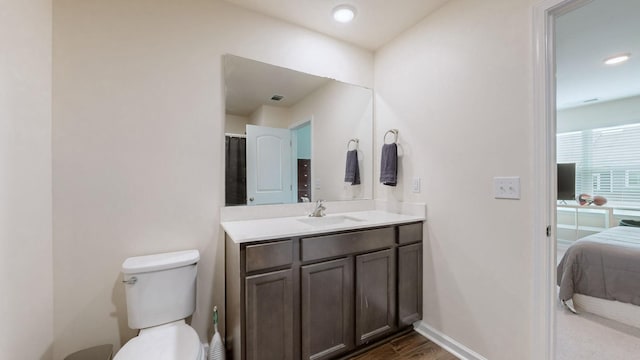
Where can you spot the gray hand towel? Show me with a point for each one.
(352, 171)
(389, 165)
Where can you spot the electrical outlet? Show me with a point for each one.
(506, 187)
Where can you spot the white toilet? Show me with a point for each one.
(161, 293)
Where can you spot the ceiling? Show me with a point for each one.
(250, 84)
(376, 23)
(584, 38)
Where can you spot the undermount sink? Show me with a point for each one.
(330, 220)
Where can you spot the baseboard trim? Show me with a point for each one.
(454, 347)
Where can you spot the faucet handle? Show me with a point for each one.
(320, 207)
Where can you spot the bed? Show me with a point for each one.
(601, 274)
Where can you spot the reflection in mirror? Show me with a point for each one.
(287, 134)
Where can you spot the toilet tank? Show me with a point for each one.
(160, 288)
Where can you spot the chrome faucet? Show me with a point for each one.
(319, 209)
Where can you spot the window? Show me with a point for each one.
(607, 161)
(602, 182)
(632, 179)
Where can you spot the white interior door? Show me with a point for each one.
(269, 179)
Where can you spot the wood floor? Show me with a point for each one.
(412, 346)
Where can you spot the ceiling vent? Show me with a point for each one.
(277, 97)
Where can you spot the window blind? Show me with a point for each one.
(607, 161)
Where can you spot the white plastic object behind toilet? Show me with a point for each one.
(161, 292)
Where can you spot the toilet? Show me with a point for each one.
(161, 293)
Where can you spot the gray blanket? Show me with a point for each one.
(605, 265)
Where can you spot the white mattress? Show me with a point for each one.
(628, 314)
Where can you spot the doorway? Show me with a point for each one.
(545, 124)
(544, 159)
(301, 161)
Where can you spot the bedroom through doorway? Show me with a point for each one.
(592, 137)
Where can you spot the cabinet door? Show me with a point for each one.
(409, 284)
(269, 316)
(327, 309)
(375, 295)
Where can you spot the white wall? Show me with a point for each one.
(599, 115)
(271, 116)
(458, 87)
(235, 124)
(26, 300)
(138, 154)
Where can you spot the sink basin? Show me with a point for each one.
(329, 220)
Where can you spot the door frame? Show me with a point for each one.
(294, 162)
(544, 159)
(294, 155)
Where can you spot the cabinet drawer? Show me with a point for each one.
(321, 247)
(409, 233)
(270, 255)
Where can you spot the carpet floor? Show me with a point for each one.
(590, 337)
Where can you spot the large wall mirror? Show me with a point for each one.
(287, 136)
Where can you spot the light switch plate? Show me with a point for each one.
(415, 185)
(506, 187)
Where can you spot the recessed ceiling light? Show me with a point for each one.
(617, 59)
(344, 13)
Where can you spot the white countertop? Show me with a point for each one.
(284, 227)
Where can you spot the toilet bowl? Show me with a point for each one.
(175, 340)
(160, 291)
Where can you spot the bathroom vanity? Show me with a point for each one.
(320, 288)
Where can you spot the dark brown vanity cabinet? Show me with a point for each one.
(409, 284)
(375, 295)
(409, 274)
(327, 308)
(322, 296)
(269, 319)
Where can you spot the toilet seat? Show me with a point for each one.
(172, 341)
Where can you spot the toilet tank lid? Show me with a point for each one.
(148, 263)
